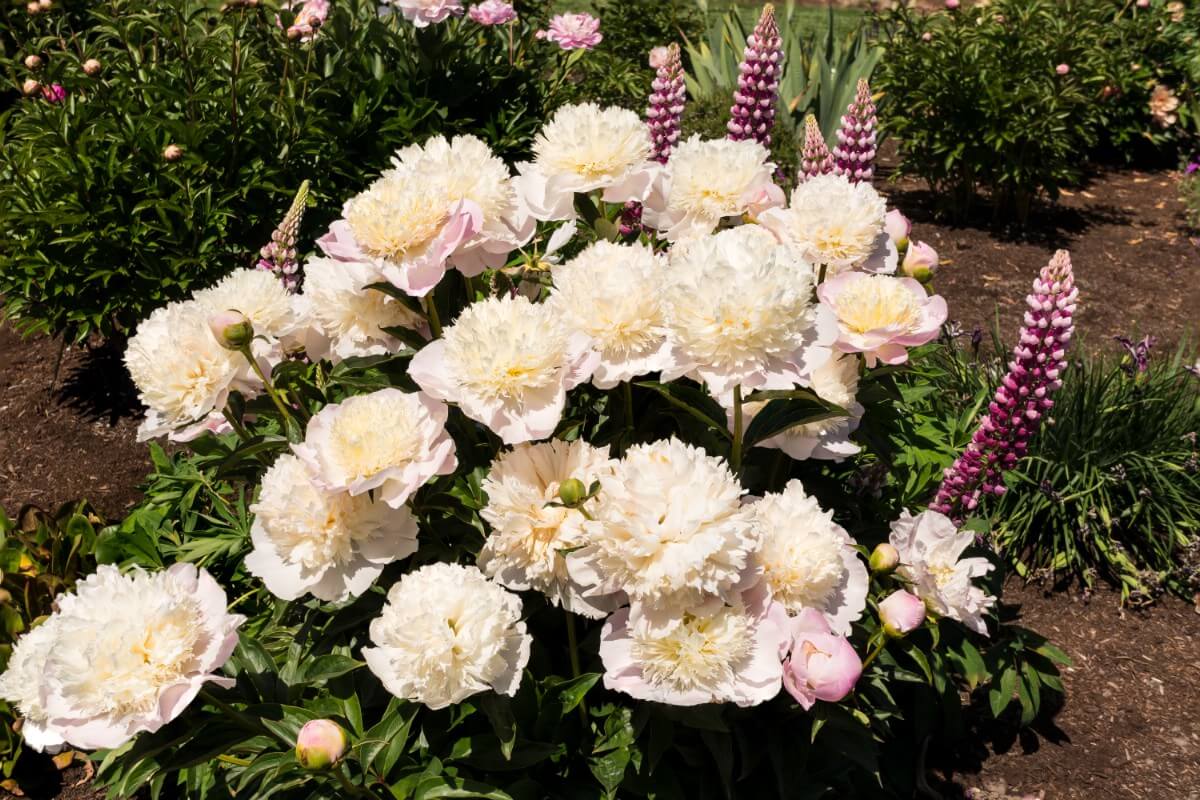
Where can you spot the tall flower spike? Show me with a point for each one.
(854, 153)
(666, 101)
(279, 254)
(753, 112)
(1023, 398)
(815, 158)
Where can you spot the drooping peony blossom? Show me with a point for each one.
(532, 532)
(447, 633)
(854, 153)
(833, 222)
(670, 531)
(585, 148)
(122, 655)
(881, 316)
(492, 12)
(901, 612)
(815, 158)
(331, 545)
(757, 93)
(346, 318)
(388, 440)
(507, 363)
(931, 549)
(183, 374)
(705, 182)
(667, 100)
(423, 13)
(612, 293)
(822, 665)
(573, 31)
(808, 560)
(257, 294)
(740, 312)
(727, 654)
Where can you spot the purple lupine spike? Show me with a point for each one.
(753, 111)
(279, 254)
(1023, 398)
(667, 99)
(815, 158)
(854, 153)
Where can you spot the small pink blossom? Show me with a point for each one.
(822, 666)
(423, 13)
(901, 612)
(54, 93)
(492, 12)
(573, 31)
(1063, 69)
(952, 4)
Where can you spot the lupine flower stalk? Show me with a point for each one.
(1023, 398)
(753, 111)
(854, 154)
(815, 158)
(279, 254)
(667, 99)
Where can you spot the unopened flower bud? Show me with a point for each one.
(571, 492)
(1063, 69)
(32, 8)
(920, 262)
(172, 152)
(30, 87)
(884, 558)
(33, 62)
(898, 228)
(321, 744)
(231, 329)
(901, 612)
(92, 67)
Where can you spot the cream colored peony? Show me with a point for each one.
(183, 375)
(447, 633)
(124, 654)
(808, 560)
(708, 181)
(330, 545)
(259, 295)
(532, 533)
(740, 312)
(508, 364)
(612, 293)
(585, 148)
(388, 440)
(22, 683)
(670, 531)
(345, 317)
(836, 223)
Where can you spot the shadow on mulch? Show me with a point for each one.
(97, 386)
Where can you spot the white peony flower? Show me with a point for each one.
(22, 683)
(508, 364)
(740, 312)
(346, 317)
(388, 440)
(931, 549)
(731, 654)
(259, 295)
(124, 654)
(447, 633)
(808, 560)
(707, 181)
(670, 531)
(330, 545)
(584, 148)
(612, 293)
(423, 13)
(183, 375)
(834, 222)
(524, 549)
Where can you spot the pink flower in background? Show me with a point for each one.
(573, 31)
(753, 111)
(279, 255)
(901, 612)
(310, 15)
(423, 13)
(822, 666)
(952, 4)
(854, 153)
(1063, 69)
(881, 316)
(815, 158)
(667, 101)
(54, 93)
(926, 37)
(492, 12)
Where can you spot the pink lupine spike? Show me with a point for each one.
(667, 100)
(1023, 397)
(815, 158)
(279, 254)
(854, 153)
(753, 111)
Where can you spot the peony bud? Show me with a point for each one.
(951, 4)
(898, 228)
(172, 152)
(30, 87)
(92, 67)
(1063, 69)
(572, 492)
(920, 262)
(33, 62)
(926, 37)
(321, 744)
(231, 329)
(884, 558)
(901, 612)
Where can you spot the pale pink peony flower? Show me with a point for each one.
(573, 31)
(1063, 69)
(822, 666)
(1163, 105)
(951, 4)
(901, 612)
(920, 262)
(423, 13)
(492, 12)
(881, 316)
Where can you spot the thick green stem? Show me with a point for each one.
(875, 653)
(735, 456)
(435, 322)
(576, 671)
(270, 387)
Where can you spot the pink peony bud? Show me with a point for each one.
(884, 558)
(821, 666)
(321, 744)
(898, 228)
(30, 87)
(54, 93)
(492, 12)
(92, 67)
(901, 612)
(1063, 69)
(920, 262)
(33, 63)
(172, 152)
(952, 4)
(926, 37)
(232, 329)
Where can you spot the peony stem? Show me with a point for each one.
(874, 653)
(735, 456)
(267, 385)
(576, 670)
(628, 395)
(435, 322)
